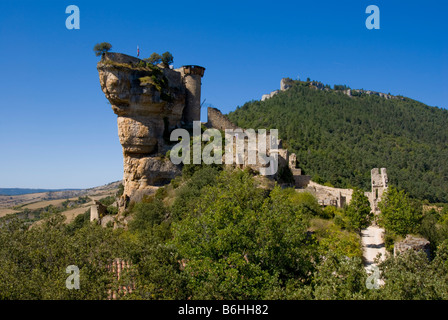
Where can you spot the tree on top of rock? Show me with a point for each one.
(101, 48)
(155, 58)
(167, 59)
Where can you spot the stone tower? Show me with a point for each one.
(379, 186)
(192, 79)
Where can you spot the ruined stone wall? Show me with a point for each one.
(301, 181)
(379, 182)
(330, 196)
(215, 119)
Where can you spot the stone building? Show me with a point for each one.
(329, 196)
(192, 76)
(97, 211)
(379, 182)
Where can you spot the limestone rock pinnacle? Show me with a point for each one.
(149, 102)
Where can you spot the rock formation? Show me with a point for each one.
(150, 101)
(412, 243)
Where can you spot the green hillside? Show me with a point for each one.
(338, 139)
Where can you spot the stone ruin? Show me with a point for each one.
(329, 196)
(97, 211)
(215, 119)
(285, 84)
(380, 183)
(338, 197)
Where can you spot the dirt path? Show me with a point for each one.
(372, 244)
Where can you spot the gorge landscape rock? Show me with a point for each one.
(149, 101)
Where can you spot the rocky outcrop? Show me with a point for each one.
(269, 95)
(286, 83)
(412, 243)
(150, 101)
(360, 92)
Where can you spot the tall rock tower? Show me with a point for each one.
(150, 102)
(191, 76)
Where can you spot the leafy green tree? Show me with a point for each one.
(358, 211)
(167, 59)
(240, 244)
(339, 242)
(155, 58)
(33, 261)
(101, 48)
(399, 214)
(410, 276)
(340, 278)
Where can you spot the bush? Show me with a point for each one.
(399, 214)
(146, 215)
(358, 212)
(329, 212)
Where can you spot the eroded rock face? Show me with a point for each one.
(150, 102)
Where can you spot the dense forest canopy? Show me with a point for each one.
(339, 139)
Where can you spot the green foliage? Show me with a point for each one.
(120, 191)
(167, 59)
(154, 59)
(329, 212)
(107, 201)
(146, 215)
(410, 276)
(399, 214)
(239, 243)
(101, 48)
(358, 211)
(339, 242)
(33, 261)
(307, 202)
(342, 138)
(189, 194)
(216, 235)
(79, 221)
(340, 278)
(340, 87)
(434, 227)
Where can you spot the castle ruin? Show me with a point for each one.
(379, 182)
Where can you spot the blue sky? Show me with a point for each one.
(57, 130)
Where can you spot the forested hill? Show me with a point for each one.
(339, 139)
